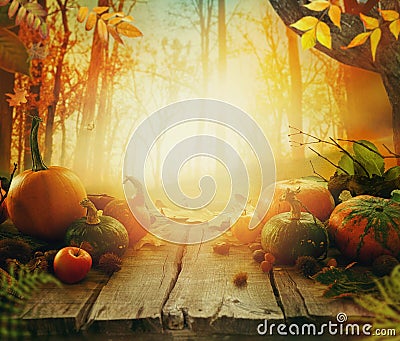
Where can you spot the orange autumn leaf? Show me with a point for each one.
(100, 10)
(358, 40)
(389, 15)
(335, 14)
(128, 30)
(370, 23)
(17, 98)
(82, 14)
(91, 21)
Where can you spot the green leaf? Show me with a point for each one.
(347, 164)
(13, 54)
(346, 282)
(392, 173)
(5, 21)
(395, 195)
(367, 154)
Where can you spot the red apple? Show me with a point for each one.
(71, 264)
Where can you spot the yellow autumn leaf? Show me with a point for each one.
(395, 28)
(318, 5)
(335, 14)
(102, 30)
(369, 22)
(375, 38)
(324, 35)
(111, 29)
(82, 14)
(305, 23)
(128, 30)
(389, 15)
(101, 10)
(91, 21)
(309, 39)
(128, 18)
(338, 3)
(115, 21)
(359, 39)
(107, 16)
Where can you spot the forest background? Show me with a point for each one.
(91, 95)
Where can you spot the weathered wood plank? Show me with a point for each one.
(302, 298)
(205, 299)
(133, 298)
(60, 310)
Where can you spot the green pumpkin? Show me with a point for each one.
(293, 234)
(97, 234)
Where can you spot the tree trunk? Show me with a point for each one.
(51, 110)
(6, 119)
(295, 115)
(222, 42)
(85, 133)
(392, 86)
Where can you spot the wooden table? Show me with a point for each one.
(182, 292)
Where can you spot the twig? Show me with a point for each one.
(315, 172)
(392, 154)
(326, 159)
(300, 132)
(350, 156)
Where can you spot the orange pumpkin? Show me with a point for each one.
(314, 196)
(240, 229)
(44, 201)
(119, 209)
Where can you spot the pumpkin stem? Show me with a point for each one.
(295, 204)
(92, 218)
(37, 161)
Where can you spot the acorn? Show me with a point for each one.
(383, 265)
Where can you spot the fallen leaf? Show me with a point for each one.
(395, 28)
(370, 23)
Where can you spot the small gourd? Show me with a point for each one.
(293, 234)
(98, 234)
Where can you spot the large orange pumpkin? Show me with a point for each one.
(314, 196)
(366, 227)
(44, 201)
